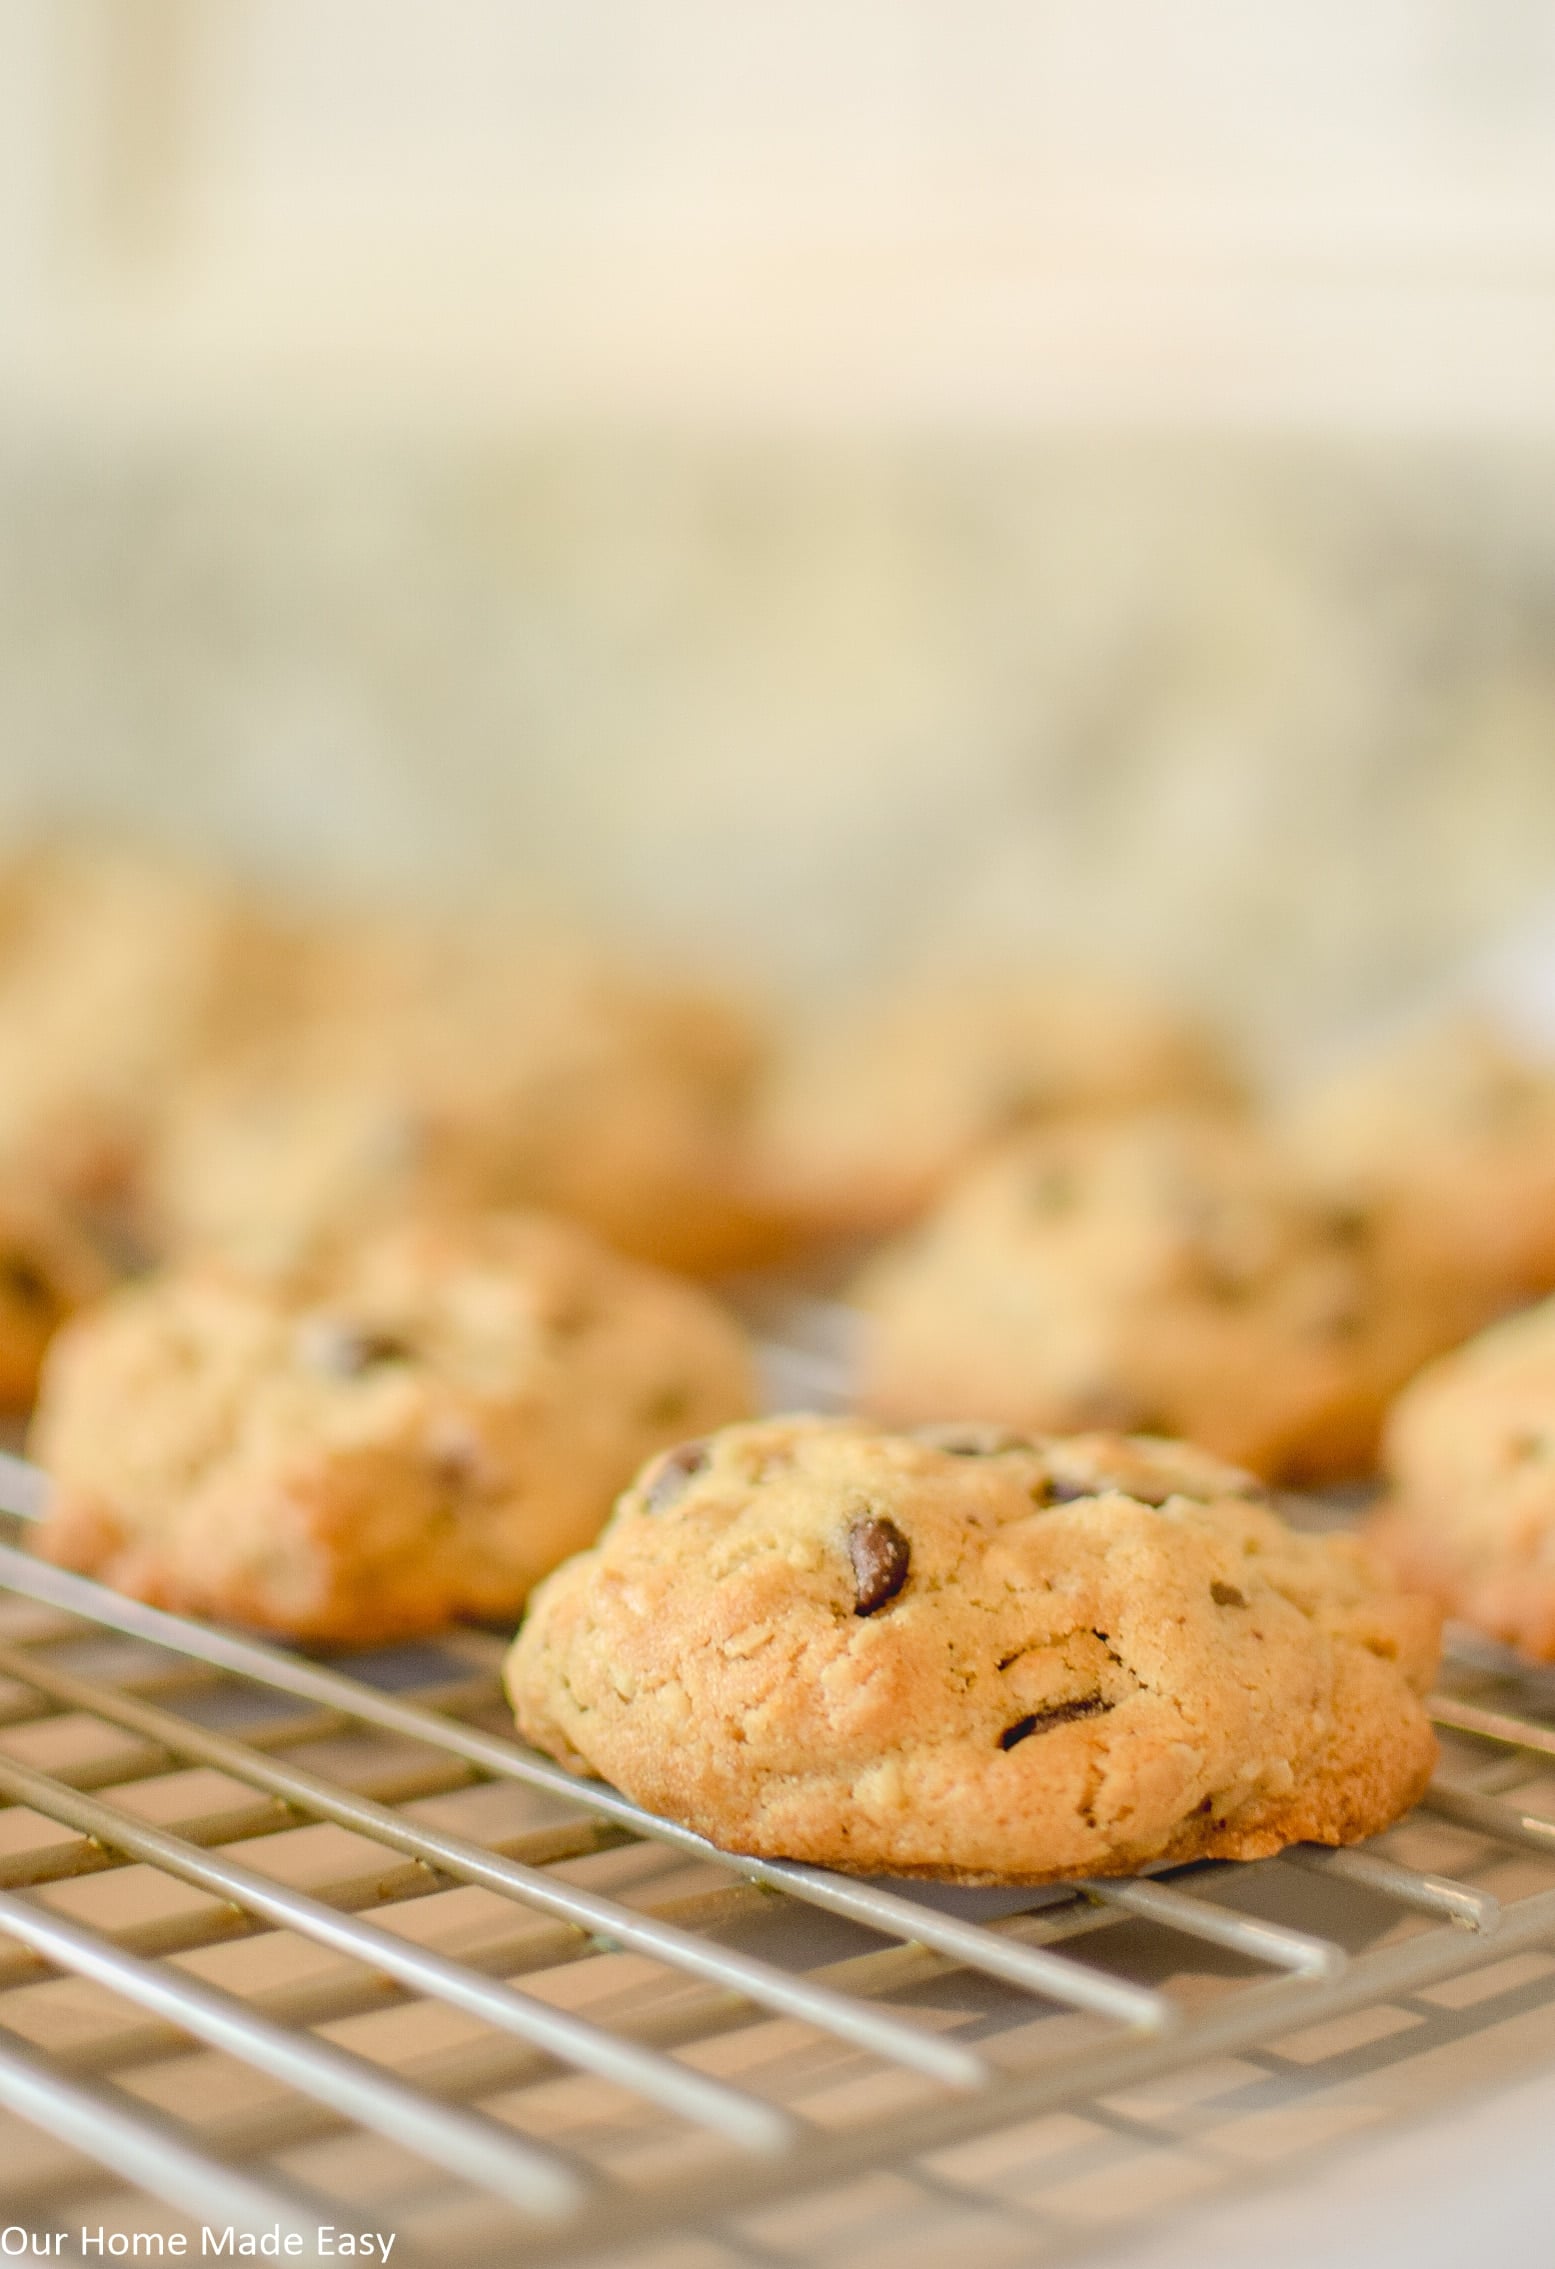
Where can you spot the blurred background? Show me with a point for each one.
(817, 484)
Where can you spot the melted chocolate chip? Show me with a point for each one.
(1227, 1595)
(345, 1350)
(672, 1474)
(881, 1557)
(1043, 1721)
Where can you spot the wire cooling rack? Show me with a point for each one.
(295, 1946)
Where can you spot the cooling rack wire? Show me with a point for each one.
(291, 1946)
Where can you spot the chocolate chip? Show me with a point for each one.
(1227, 1595)
(345, 1350)
(672, 1474)
(1043, 1721)
(881, 1556)
(974, 1441)
(667, 1405)
(25, 1284)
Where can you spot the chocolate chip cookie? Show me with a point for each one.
(1470, 1456)
(415, 1433)
(1170, 1274)
(977, 1656)
(870, 1113)
(470, 1071)
(120, 974)
(1459, 1124)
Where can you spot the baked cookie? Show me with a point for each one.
(119, 974)
(49, 1268)
(1459, 1124)
(1168, 1274)
(417, 1434)
(870, 1114)
(1470, 1456)
(977, 1656)
(469, 1071)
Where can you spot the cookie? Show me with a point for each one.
(1470, 1459)
(119, 974)
(50, 1267)
(416, 1433)
(1169, 1275)
(1460, 1125)
(977, 1657)
(470, 1072)
(870, 1114)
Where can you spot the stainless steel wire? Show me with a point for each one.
(1032, 1969)
(464, 2142)
(1134, 2028)
(729, 2111)
(759, 1982)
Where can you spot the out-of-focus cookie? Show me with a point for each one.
(120, 972)
(1470, 1457)
(977, 1657)
(418, 1434)
(471, 1072)
(1459, 1124)
(870, 1114)
(50, 1267)
(1168, 1274)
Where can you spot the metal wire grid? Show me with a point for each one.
(675, 2134)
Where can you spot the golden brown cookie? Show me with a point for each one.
(871, 1113)
(1460, 1125)
(467, 1070)
(418, 1433)
(120, 974)
(1169, 1274)
(977, 1657)
(1470, 1457)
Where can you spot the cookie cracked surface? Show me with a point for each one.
(976, 1657)
(417, 1433)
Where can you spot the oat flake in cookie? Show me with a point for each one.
(977, 1658)
(419, 1433)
